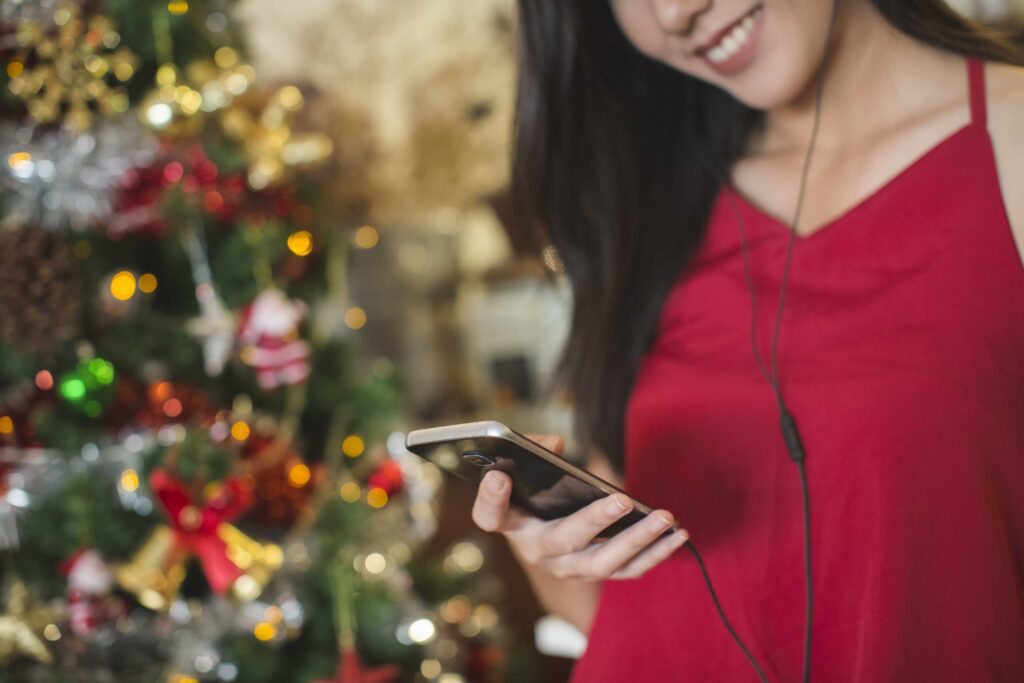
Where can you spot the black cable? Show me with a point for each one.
(721, 613)
(807, 572)
(790, 433)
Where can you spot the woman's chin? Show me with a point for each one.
(770, 84)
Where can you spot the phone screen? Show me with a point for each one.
(538, 486)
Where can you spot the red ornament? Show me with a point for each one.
(387, 476)
(144, 190)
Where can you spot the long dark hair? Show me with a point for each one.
(617, 162)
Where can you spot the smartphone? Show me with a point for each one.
(543, 483)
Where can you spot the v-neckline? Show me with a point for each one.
(783, 228)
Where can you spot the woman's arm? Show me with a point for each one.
(574, 600)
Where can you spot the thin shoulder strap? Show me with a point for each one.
(976, 85)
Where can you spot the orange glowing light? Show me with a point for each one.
(44, 380)
(172, 407)
(298, 475)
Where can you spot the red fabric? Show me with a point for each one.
(901, 354)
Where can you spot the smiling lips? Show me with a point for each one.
(733, 47)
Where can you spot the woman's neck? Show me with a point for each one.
(877, 79)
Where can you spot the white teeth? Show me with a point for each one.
(717, 54)
(734, 40)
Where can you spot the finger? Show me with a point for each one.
(575, 532)
(491, 507)
(607, 558)
(552, 442)
(654, 555)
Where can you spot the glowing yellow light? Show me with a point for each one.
(375, 563)
(147, 283)
(301, 243)
(240, 431)
(456, 609)
(350, 492)
(6, 425)
(225, 57)
(367, 237)
(248, 354)
(430, 668)
(167, 75)
(118, 102)
(51, 632)
(184, 679)
(130, 480)
(290, 97)
(177, 7)
(122, 286)
(264, 631)
(422, 630)
(377, 497)
(353, 446)
(19, 159)
(298, 475)
(467, 557)
(355, 317)
(124, 71)
(486, 615)
(14, 68)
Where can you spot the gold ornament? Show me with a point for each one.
(154, 575)
(172, 108)
(62, 74)
(271, 145)
(21, 624)
(222, 80)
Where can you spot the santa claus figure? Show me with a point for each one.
(89, 582)
(269, 335)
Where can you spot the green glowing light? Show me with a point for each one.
(73, 389)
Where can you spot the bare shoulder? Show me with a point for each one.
(1005, 96)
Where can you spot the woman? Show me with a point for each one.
(661, 147)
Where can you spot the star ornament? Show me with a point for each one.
(20, 626)
(351, 670)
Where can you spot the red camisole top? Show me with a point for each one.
(901, 356)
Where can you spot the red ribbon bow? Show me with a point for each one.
(196, 528)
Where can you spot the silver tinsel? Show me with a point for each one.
(60, 178)
(26, 10)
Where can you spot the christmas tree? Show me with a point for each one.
(202, 472)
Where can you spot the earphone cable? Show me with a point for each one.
(721, 613)
(790, 433)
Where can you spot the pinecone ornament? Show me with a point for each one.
(39, 297)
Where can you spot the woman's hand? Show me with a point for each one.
(565, 548)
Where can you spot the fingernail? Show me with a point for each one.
(495, 482)
(616, 506)
(663, 521)
(680, 537)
